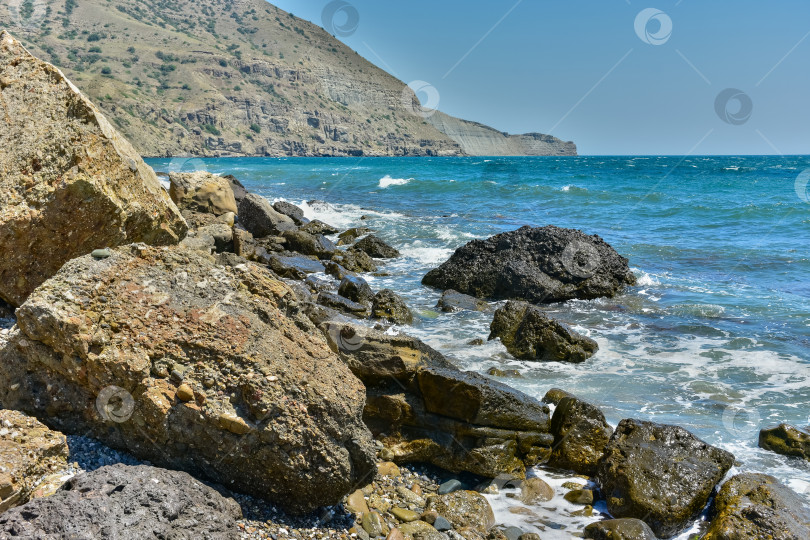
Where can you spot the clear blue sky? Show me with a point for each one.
(578, 69)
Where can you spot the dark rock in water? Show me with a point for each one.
(356, 289)
(349, 236)
(581, 434)
(309, 244)
(126, 502)
(786, 439)
(291, 211)
(317, 226)
(555, 395)
(239, 191)
(293, 267)
(355, 260)
(455, 301)
(389, 306)
(545, 264)
(619, 529)
(376, 248)
(496, 372)
(258, 216)
(660, 474)
(529, 334)
(758, 506)
(432, 412)
(170, 311)
(337, 271)
(344, 305)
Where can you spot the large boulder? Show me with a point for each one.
(258, 216)
(581, 434)
(426, 410)
(121, 501)
(389, 306)
(753, 506)
(290, 210)
(660, 474)
(69, 182)
(375, 247)
(545, 264)
(28, 452)
(194, 366)
(786, 439)
(356, 288)
(202, 191)
(619, 529)
(529, 334)
(309, 244)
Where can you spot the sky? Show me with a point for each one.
(618, 77)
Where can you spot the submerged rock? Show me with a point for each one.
(786, 439)
(375, 247)
(660, 474)
(202, 192)
(258, 216)
(753, 506)
(455, 301)
(529, 334)
(545, 264)
(70, 182)
(581, 434)
(28, 451)
(104, 346)
(122, 501)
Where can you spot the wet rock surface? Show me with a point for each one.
(104, 347)
(451, 301)
(122, 502)
(529, 334)
(787, 440)
(619, 529)
(376, 248)
(389, 306)
(66, 170)
(581, 434)
(660, 474)
(545, 264)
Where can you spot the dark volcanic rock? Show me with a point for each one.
(619, 529)
(581, 434)
(389, 306)
(529, 334)
(376, 248)
(317, 226)
(127, 502)
(356, 289)
(349, 236)
(194, 366)
(239, 191)
(754, 506)
(659, 473)
(337, 271)
(258, 216)
(786, 439)
(344, 305)
(293, 267)
(291, 211)
(354, 260)
(309, 244)
(455, 301)
(546, 264)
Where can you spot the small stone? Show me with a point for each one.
(580, 496)
(409, 496)
(450, 486)
(101, 253)
(395, 534)
(374, 524)
(529, 536)
(587, 511)
(356, 503)
(534, 490)
(430, 516)
(513, 533)
(416, 488)
(185, 393)
(573, 485)
(388, 468)
(404, 515)
(441, 524)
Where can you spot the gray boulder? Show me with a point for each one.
(545, 264)
(660, 474)
(356, 289)
(291, 211)
(529, 334)
(451, 301)
(121, 502)
(258, 216)
(375, 247)
(309, 244)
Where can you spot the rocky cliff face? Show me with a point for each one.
(240, 78)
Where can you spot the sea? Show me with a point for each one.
(714, 337)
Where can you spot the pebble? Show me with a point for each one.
(450, 486)
(580, 496)
(356, 503)
(441, 524)
(513, 533)
(395, 534)
(534, 490)
(185, 393)
(101, 253)
(388, 468)
(405, 515)
(374, 524)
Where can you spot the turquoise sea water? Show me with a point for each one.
(715, 336)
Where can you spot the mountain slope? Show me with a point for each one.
(238, 77)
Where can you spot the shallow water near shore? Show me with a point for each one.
(716, 335)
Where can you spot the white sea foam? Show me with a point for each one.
(427, 255)
(387, 181)
(643, 279)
